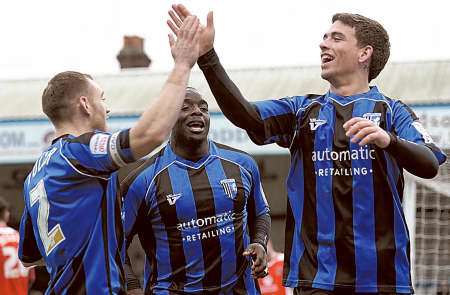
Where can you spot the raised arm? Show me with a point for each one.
(230, 100)
(155, 124)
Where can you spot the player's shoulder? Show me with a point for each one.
(143, 168)
(96, 139)
(308, 100)
(235, 155)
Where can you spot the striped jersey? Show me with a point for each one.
(14, 277)
(70, 220)
(192, 220)
(345, 225)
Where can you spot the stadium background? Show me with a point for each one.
(25, 132)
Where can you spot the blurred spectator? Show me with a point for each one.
(272, 283)
(15, 279)
(444, 288)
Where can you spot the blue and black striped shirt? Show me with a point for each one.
(192, 220)
(71, 219)
(345, 225)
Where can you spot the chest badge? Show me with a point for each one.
(172, 198)
(315, 123)
(374, 117)
(230, 188)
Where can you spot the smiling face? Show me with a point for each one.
(340, 53)
(193, 121)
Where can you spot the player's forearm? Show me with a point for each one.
(230, 100)
(415, 158)
(156, 123)
(131, 279)
(40, 262)
(260, 229)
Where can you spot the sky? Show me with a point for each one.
(43, 37)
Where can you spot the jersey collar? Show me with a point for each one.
(373, 93)
(187, 162)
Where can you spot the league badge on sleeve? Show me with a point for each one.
(99, 144)
(419, 127)
(230, 188)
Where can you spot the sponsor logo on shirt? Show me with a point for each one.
(230, 188)
(207, 227)
(374, 117)
(361, 154)
(315, 123)
(99, 144)
(172, 198)
(426, 136)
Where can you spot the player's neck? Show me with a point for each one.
(75, 129)
(3, 223)
(192, 151)
(350, 86)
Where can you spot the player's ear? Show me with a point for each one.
(84, 104)
(365, 54)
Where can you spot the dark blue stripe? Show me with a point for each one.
(223, 203)
(186, 211)
(364, 213)
(296, 193)
(272, 108)
(326, 253)
(402, 264)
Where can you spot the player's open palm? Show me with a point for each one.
(185, 48)
(363, 131)
(179, 14)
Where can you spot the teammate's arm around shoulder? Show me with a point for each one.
(155, 124)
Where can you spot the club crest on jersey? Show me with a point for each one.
(230, 187)
(172, 198)
(374, 117)
(315, 123)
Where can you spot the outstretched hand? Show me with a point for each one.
(185, 48)
(259, 257)
(179, 15)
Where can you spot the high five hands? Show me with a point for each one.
(185, 48)
(179, 15)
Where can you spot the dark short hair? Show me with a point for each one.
(191, 91)
(58, 96)
(369, 32)
(4, 206)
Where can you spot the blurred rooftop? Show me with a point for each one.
(129, 91)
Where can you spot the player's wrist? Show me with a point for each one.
(209, 58)
(182, 66)
(393, 140)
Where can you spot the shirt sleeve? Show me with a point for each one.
(134, 206)
(279, 119)
(28, 249)
(407, 126)
(257, 202)
(98, 153)
(258, 210)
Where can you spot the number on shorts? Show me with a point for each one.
(55, 236)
